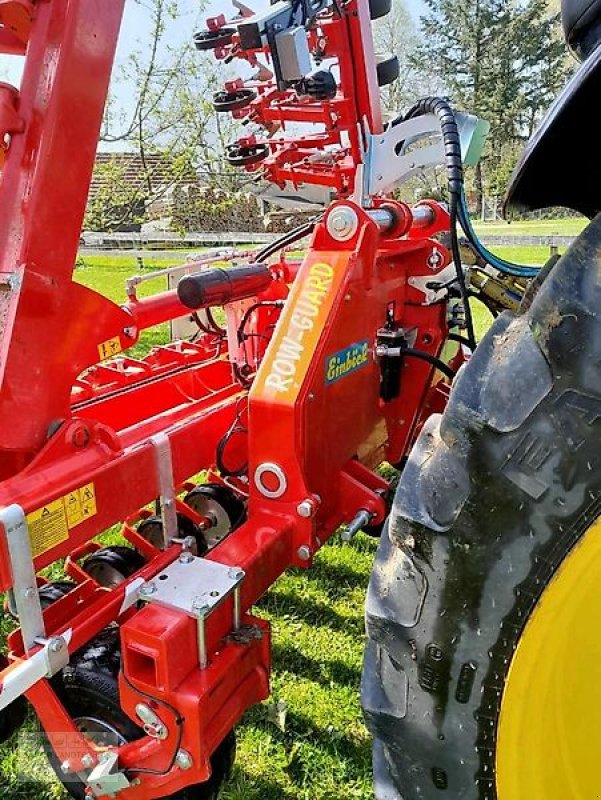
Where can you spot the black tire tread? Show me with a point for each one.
(494, 496)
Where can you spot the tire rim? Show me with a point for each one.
(208, 507)
(99, 732)
(548, 730)
(106, 575)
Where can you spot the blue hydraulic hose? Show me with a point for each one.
(517, 270)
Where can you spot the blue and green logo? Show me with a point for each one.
(346, 361)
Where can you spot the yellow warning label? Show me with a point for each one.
(109, 348)
(87, 499)
(50, 525)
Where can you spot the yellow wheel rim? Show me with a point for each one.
(549, 732)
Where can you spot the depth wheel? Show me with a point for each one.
(110, 566)
(484, 610)
(233, 101)
(210, 40)
(379, 8)
(246, 156)
(220, 505)
(89, 690)
(151, 529)
(388, 70)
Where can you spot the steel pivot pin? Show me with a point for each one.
(342, 223)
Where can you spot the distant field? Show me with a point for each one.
(545, 227)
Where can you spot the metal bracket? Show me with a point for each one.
(164, 462)
(26, 597)
(422, 282)
(106, 780)
(390, 159)
(197, 587)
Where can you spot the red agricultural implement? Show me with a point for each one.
(142, 659)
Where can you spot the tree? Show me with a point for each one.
(500, 59)
(160, 111)
(396, 34)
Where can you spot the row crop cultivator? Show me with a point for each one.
(141, 661)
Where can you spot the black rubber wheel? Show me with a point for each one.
(388, 70)
(110, 566)
(51, 592)
(152, 530)
(89, 690)
(247, 156)
(379, 8)
(495, 496)
(210, 40)
(219, 504)
(233, 101)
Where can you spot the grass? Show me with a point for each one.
(323, 751)
(570, 226)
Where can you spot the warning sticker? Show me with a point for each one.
(50, 525)
(109, 348)
(47, 527)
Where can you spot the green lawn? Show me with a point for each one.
(570, 226)
(323, 751)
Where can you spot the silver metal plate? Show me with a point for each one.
(386, 168)
(196, 587)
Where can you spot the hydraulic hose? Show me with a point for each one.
(452, 145)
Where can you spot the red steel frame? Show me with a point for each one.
(68, 419)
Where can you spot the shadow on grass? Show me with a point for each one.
(312, 611)
(290, 659)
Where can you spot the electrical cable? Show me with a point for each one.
(179, 721)
(250, 310)
(236, 427)
(204, 328)
(217, 328)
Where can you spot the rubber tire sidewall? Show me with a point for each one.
(494, 497)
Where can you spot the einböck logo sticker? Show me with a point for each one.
(346, 361)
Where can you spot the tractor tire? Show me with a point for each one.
(481, 672)
(89, 689)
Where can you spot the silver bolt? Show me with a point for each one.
(147, 588)
(304, 552)
(342, 223)
(57, 645)
(87, 761)
(29, 593)
(305, 509)
(199, 605)
(236, 574)
(104, 757)
(184, 760)
(186, 558)
(66, 767)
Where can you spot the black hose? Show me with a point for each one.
(452, 147)
(430, 359)
(287, 239)
(457, 337)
